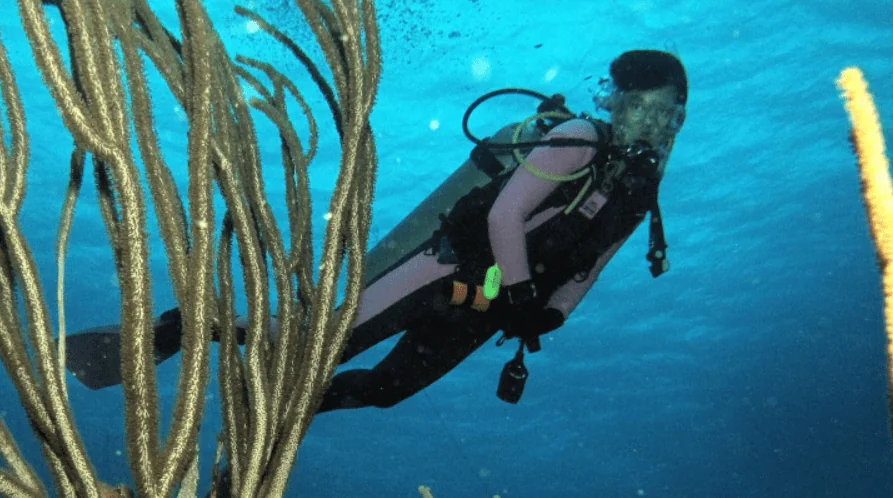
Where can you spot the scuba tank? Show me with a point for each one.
(413, 234)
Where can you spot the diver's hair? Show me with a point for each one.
(648, 69)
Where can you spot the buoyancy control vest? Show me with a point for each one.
(568, 244)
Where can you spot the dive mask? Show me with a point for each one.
(603, 95)
(663, 115)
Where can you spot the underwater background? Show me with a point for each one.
(755, 368)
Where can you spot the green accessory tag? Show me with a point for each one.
(492, 281)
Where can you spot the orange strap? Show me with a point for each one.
(480, 303)
(460, 293)
(460, 296)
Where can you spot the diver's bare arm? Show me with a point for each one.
(525, 191)
(567, 297)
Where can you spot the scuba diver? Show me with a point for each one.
(511, 242)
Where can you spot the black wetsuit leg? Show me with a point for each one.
(413, 309)
(438, 337)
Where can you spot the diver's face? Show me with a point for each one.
(652, 116)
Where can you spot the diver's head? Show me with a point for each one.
(647, 99)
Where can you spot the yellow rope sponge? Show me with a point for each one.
(877, 189)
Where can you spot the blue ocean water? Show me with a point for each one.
(755, 368)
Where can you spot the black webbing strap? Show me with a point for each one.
(657, 243)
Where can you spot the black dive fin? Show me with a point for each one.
(94, 356)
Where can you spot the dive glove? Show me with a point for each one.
(527, 319)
